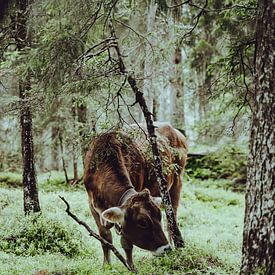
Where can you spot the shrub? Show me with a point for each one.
(37, 235)
(10, 179)
(228, 163)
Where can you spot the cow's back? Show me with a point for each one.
(172, 148)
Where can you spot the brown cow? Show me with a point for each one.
(122, 186)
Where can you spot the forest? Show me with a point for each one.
(176, 98)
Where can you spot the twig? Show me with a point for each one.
(95, 235)
(198, 16)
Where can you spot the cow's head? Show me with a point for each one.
(140, 221)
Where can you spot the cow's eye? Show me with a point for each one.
(142, 223)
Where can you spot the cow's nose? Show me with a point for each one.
(167, 249)
(162, 249)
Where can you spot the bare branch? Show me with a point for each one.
(197, 17)
(178, 5)
(95, 235)
(245, 101)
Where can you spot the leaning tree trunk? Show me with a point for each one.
(31, 201)
(259, 226)
(162, 183)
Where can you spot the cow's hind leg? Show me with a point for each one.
(128, 248)
(106, 234)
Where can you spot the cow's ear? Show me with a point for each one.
(157, 201)
(113, 215)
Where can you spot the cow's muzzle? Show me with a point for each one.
(161, 250)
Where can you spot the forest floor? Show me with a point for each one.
(210, 218)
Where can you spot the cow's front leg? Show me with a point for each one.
(128, 247)
(106, 234)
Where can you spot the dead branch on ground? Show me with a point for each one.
(95, 235)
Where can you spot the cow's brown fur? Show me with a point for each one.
(118, 161)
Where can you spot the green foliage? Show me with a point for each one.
(37, 235)
(227, 163)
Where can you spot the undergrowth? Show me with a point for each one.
(36, 235)
(209, 216)
(226, 163)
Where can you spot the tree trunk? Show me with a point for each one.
(177, 115)
(148, 62)
(259, 227)
(162, 183)
(64, 166)
(31, 201)
(54, 148)
(75, 166)
(82, 119)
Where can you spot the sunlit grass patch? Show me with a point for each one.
(212, 219)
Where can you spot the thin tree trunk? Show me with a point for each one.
(172, 223)
(64, 166)
(82, 119)
(54, 148)
(259, 225)
(75, 166)
(31, 201)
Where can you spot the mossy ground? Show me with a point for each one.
(210, 219)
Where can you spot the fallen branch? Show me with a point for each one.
(95, 235)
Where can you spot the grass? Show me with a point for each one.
(210, 219)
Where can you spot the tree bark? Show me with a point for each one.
(31, 201)
(259, 227)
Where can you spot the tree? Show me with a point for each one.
(31, 201)
(148, 62)
(177, 101)
(259, 228)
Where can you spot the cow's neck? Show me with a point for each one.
(130, 192)
(114, 190)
